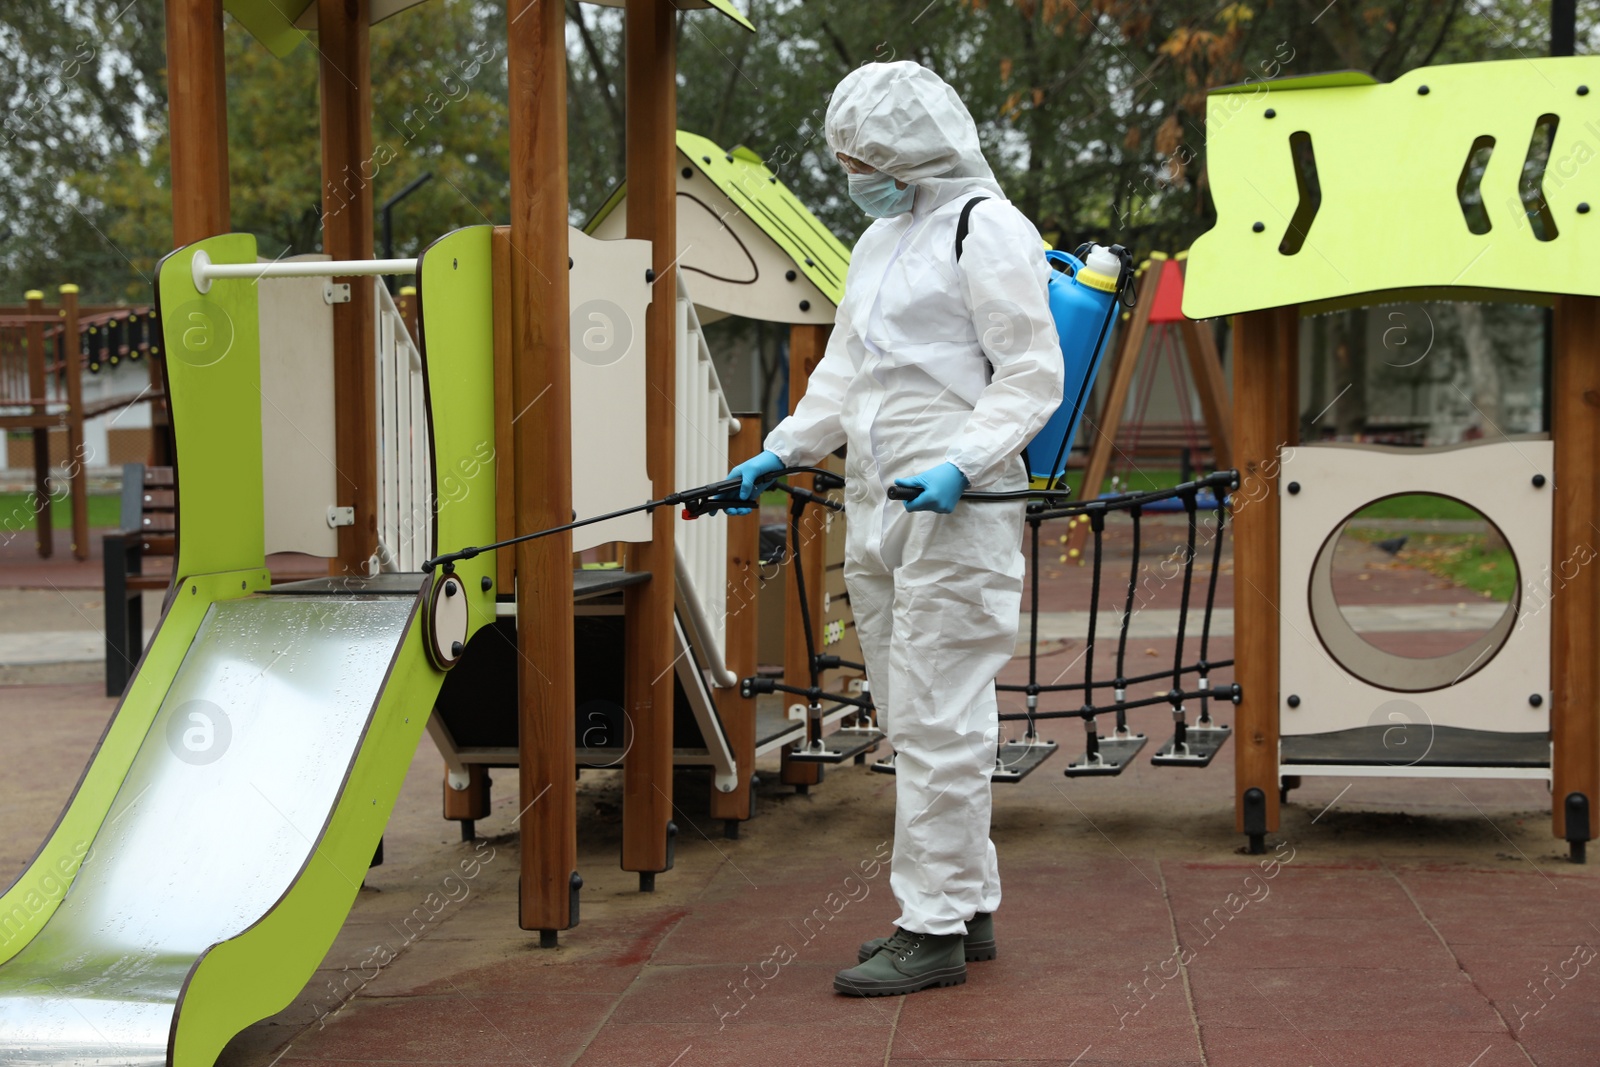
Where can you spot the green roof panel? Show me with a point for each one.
(741, 175)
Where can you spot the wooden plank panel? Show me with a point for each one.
(651, 147)
(744, 582)
(1575, 624)
(542, 446)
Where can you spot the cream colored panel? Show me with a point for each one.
(729, 264)
(1336, 480)
(299, 479)
(609, 295)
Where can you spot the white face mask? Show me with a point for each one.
(878, 195)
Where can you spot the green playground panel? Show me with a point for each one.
(1389, 160)
(259, 972)
(214, 375)
(213, 378)
(213, 346)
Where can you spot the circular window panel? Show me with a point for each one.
(1414, 592)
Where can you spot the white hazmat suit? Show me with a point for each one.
(932, 359)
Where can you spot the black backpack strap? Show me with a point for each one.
(966, 217)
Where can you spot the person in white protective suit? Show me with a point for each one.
(938, 371)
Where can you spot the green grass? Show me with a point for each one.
(1418, 506)
(1137, 481)
(1465, 560)
(17, 511)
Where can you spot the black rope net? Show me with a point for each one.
(1202, 503)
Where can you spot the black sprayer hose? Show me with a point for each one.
(697, 501)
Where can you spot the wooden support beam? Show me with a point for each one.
(542, 453)
(744, 583)
(197, 124)
(1258, 434)
(346, 91)
(807, 344)
(1205, 367)
(651, 142)
(1575, 624)
(77, 460)
(43, 521)
(1102, 430)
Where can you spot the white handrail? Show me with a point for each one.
(205, 272)
(405, 480)
(704, 425)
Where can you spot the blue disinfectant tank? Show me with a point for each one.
(1083, 297)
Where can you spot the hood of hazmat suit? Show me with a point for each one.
(932, 359)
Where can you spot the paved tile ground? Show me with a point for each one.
(1393, 922)
(1431, 923)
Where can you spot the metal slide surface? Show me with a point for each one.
(218, 816)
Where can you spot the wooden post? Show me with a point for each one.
(651, 140)
(77, 461)
(1258, 423)
(1124, 361)
(1200, 348)
(1575, 624)
(542, 446)
(806, 347)
(744, 581)
(197, 109)
(43, 521)
(346, 89)
(1205, 367)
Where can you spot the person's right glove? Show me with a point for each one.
(941, 488)
(751, 472)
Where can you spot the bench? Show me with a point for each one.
(148, 527)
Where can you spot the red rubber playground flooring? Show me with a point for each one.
(1399, 922)
(1392, 922)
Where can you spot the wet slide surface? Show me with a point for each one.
(220, 811)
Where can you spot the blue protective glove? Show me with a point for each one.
(753, 471)
(941, 488)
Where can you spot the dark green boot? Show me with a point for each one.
(980, 941)
(904, 964)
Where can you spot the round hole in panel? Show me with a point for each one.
(1414, 592)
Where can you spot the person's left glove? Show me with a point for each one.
(941, 488)
(751, 473)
